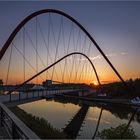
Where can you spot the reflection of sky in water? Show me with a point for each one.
(58, 114)
(107, 120)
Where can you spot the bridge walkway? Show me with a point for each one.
(3, 133)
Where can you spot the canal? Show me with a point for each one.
(86, 120)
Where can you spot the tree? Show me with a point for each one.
(117, 132)
(1, 82)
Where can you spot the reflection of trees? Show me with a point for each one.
(137, 117)
(97, 124)
(66, 100)
(124, 131)
(123, 112)
(117, 89)
(118, 111)
(116, 133)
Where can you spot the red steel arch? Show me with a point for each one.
(23, 22)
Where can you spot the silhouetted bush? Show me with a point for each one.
(117, 133)
(117, 89)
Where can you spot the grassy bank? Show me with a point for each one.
(39, 125)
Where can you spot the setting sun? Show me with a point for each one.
(95, 83)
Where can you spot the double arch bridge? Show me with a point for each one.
(77, 31)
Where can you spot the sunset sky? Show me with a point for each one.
(114, 25)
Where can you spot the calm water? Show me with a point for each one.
(59, 113)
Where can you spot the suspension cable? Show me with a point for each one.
(80, 56)
(25, 58)
(9, 66)
(23, 53)
(74, 53)
(56, 44)
(36, 49)
(68, 49)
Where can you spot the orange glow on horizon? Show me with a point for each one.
(95, 83)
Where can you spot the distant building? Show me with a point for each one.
(47, 83)
(102, 94)
(37, 87)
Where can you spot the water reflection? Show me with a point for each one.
(97, 124)
(127, 127)
(80, 119)
(75, 124)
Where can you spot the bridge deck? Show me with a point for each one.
(3, 133)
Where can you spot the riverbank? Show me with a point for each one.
(39, 125)
(104, 100)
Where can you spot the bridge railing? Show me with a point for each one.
(14, 127)
(30, 94)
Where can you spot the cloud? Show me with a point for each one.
(106, 122)
(124, 53)
(100, 56)
(96, 119)
(92, 119)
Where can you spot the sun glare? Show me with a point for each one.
(95, 83)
